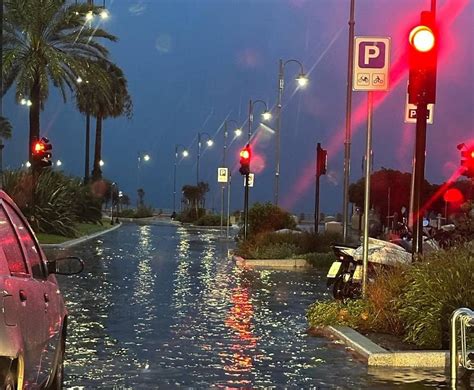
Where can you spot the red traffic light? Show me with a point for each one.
(245, 156)
(38, 147)
(422, 38)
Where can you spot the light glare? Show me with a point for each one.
(422, 38)
(266, 115)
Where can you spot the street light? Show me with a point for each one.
(209, 142)
(101, 163)
(184, 153)
(266, 115)
(302, 81)
(145, 157)
(59, 163)
(238, 133)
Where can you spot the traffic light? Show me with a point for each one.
(467, 161)
(322, 160)
(423, 50)
(245, 156)
(41, 153)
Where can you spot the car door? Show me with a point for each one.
(26, 297)
(46, 291)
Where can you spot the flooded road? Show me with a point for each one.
(163, 306)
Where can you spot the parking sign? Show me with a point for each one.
(371, 64)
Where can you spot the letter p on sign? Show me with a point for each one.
(372, 55)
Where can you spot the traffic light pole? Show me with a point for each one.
(246, 206)
(316, 201)
(420, 147)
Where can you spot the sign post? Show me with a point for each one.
(371, 73)
(222, 177)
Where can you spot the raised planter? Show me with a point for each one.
(271, 263)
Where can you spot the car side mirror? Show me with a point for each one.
(70, 265)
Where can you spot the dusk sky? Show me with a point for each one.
(191, 64)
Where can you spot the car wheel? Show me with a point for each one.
(58, 372)
(7, 380)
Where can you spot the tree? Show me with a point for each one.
(195, 195)
(47, 42)
(267, 217)
(141, 196)
(125, 200)
(113, 103)
(5, 128)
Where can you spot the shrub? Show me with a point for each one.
(383, 294)
(144, 212)
(302, 242)
(435, 287)
(189, 215)
(268, 217)
(209, 220)
(355, 313)
(128, 213)
(318, 260)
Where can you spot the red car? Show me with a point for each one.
(33, 317)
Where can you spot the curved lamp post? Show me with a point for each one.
(266, 115)
(145, 157)
(184, 153)
(302, 81)
(209, 142)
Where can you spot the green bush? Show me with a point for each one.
(144, 212)
(208, 220)
(188, 216)
(127, 213)
(318, 260)
(354, 313)
(268, 217)
(54, 203)
(440, 284)
(414, 301)
(302, 242)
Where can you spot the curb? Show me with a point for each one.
(273, 263)
(79, 240)
(377, 356)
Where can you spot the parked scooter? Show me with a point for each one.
(345, 274)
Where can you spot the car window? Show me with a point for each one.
(11, 246)
(32, 252)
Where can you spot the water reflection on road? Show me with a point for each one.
(163, 306)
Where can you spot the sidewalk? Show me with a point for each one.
(79, 240)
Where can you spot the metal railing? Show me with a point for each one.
(461, 319)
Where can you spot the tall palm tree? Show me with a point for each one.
(113, 103)
(87, 95)
(47, 42)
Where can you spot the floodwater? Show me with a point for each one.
(162, 306)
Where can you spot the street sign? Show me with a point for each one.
(222, 175)
(410, 113)
(251, 177)
(371, 64)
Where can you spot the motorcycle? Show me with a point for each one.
(345, 274)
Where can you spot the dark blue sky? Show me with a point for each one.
(191, 64)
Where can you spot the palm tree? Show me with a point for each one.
(141, 196)
(110, 103)
(5, 133)
(48, 42)
(5, 128)
(86, 101)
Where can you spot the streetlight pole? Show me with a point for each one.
(185, 154)
(209, 143)
(1, 90)
(266, 115)
(347, 139)
(302, 82)
(224, 165)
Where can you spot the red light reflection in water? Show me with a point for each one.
(239, 320)
(399, 68)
